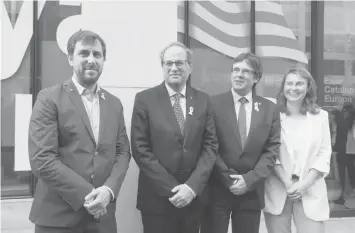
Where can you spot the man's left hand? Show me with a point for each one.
(239, 186)
(97, 200)
(183, 196)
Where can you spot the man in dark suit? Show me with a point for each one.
(174, 144)
(78, 147)
(344, 120)
(248, 132)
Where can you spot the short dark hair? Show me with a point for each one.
(87, 36)
(179, 44)
(309, 102)
(253, 61)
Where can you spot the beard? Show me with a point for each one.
(87, 78)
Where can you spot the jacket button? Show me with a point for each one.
(92, 176)
(185, 150)
(96, 153)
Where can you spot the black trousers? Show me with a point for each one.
(185, 220)
(346, 161)
(245, 218)
(106, 224)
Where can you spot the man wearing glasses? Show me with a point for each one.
(248, 132)
(174, 144)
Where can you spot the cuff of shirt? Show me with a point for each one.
(277, 162)
(192, 191)
(112, 195)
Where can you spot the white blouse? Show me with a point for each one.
(296, 128)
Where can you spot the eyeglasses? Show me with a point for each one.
(245, 72)
(179, 64)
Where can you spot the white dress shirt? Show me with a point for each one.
(171, 93)
(248, 106)
(90, 99)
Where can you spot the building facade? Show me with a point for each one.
(317, 35)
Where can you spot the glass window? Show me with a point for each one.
(54, 66)
(13, 182)
(339, 100)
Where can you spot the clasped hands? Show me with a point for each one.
(239, 187)
(183, 196)
(295, 190)
(97, 200)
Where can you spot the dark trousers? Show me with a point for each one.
(183, 220)
(346, 161)
(106, 224)
(245, 218)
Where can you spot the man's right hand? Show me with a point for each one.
(92, 206)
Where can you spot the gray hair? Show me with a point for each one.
(187, 50)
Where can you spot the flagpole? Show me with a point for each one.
(186, 24)
(186, 33)
(252, 26)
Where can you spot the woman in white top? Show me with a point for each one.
(297, 187)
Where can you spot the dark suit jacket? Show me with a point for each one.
(66, 159)
(344, 123)
(167, 158)
(261, 148)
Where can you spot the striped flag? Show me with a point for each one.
(225, 27)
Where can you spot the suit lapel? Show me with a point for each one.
(190, 111)
(257, 116)
(232, 117)
(167, 108)
(104, 109)
(76, 99)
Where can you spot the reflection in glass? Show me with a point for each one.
(13, 183)
(338, 99)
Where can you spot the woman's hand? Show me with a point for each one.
(296, 191)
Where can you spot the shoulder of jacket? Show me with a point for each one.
(48, 92)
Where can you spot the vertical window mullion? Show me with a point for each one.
(35, 85)
(317, 46)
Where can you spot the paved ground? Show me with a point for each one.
(14, 219)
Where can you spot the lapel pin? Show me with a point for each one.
(191, 110)
(102, 95)
(256, 106)
(71, 89)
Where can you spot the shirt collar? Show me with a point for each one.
(236, 96)
(81, 89)
(171, 92)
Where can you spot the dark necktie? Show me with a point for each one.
(178, 112)
(242, 120)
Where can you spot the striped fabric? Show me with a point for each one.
(225, 27)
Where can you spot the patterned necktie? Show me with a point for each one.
(242, 121)
(178, 112)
